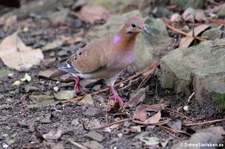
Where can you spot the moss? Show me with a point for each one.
(220, 99)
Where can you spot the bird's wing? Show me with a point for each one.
(88, 59)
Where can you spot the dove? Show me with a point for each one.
(106, 57)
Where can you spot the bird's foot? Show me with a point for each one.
(77, 87)
(115, 95)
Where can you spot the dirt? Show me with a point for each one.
(24, 120)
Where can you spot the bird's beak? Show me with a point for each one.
(145, 30)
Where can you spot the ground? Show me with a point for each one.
(24, 120)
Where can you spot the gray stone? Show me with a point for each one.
(178, 65)
(212, 34)
(188, 3)
(59, 16)
(95, 136)
(5, 73)
(93, 145)
(208, 80)
(221, 12)
(91, 111)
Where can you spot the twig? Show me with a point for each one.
(150, 68)
(181, 114)
(174, 130)
(190, 97)
(205, 122)
(218, 21)
(77, 144)
(113, 123)
(182, 33)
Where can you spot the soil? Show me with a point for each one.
(24, 120)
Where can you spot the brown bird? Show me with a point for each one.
(106, 57)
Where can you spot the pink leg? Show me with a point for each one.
(77, 87)
(115, 95)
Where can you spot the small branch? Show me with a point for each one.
(113, 123)
(205, 122)
(77, 144)
(182, 33)
(218, 21)
(181, 114)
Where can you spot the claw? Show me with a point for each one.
(115, 95)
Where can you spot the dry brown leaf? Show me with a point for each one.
(154, 119)
(15, 54)
(47, 73)
(155, 107)
(140, 113)
(92, 13)
(186, 41)
(191, 15)
(200, 16)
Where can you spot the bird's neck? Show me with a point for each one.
(123, 39)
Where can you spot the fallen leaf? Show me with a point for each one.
(136, 97)
(62, 95)
(47, 73)
(189, 14)
(186, 41)
(155, 107)
(53, 134)
(140, 113)
(200, 16)
(154, 119)
(92, 13)
(15, 54)
(175, 124)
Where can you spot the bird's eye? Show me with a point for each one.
(133, 25)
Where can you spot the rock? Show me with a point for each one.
(221, 12)
(41, 98)
(161, 12)
(209, 80)
(91, 111)
(75, 122)
(93, 145)
(212, 34)
(87, 100)
(178, 65)
(119, 6)
(52, 45)
(5, 73)
(95, 136)
(62, 95)
(188, 3)
(148, 48)
(59, 16)
(57, 146)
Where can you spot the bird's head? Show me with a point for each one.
(135, 25)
